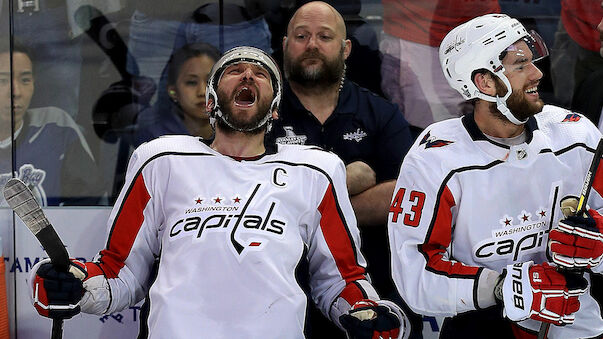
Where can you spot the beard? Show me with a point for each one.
(325, 75)
(517, 102)
(241, 124)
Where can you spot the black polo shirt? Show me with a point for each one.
(363, 127)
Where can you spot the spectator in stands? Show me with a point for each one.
(321, 107)
(49, 28)
(159, 27)
(410, 71)
(588, 97)
(180, 107)
(575, 53)
(153, 28)
(51, 155)
(600, 30)
(235, 26)
(363, 65)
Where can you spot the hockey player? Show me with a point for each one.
(477, 196)
(231, 220)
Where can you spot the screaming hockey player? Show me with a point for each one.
(230, 222)
(477, 204)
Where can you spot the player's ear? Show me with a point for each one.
(485, 83)
(275, 114)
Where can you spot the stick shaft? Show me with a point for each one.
(586, 187)
(57, 329)
(590, 177)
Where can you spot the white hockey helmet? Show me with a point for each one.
(248, 55)
(477, 45)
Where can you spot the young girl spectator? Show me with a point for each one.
(180, 106)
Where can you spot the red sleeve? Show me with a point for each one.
(439, 238)
(342, 246)
(125, 227)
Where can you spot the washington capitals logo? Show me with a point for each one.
(572, 117)
(249, 229)
(430, 141)
(357, 136)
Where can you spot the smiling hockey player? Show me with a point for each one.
(477, 196)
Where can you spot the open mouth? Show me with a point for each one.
(245, 97)
(532, 90)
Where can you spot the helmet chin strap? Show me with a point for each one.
(501, 105)
(501, 102)
(219, 115)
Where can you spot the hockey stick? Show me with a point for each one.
(586, 187)
(24, 204)
(590, 177)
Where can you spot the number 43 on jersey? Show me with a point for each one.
(415, 200)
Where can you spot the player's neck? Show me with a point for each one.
(238, 144)
(494, 126)
(319, 100)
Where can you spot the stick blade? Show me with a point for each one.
(22, 201)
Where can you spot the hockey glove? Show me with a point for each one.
(368, 319)
(57, 294)
(577, 242)
(540, 292)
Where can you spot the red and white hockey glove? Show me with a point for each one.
(540, 292)
(368, 319)
(577, 242)
(57, 294)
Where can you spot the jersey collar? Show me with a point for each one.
(271, 148)
(477, 135)
(522, 154)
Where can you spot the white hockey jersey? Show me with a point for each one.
(229, 236)
(464, 203)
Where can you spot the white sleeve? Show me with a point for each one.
(133, 242)
(420, 223)
(338, 277)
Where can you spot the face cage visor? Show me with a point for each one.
(537, 48)
(535, 44)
